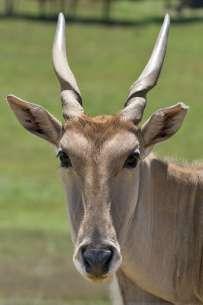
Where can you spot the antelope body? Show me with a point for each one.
(135, 218)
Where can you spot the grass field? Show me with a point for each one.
(35, 249)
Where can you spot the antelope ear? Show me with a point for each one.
(36, 119)
(162, 125)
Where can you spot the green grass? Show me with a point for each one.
(43, 302)
(106, 61)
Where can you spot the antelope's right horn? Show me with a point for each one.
(70, 93)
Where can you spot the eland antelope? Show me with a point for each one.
(135, 219)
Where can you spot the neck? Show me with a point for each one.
(163, 217)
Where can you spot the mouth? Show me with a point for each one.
(98, 279)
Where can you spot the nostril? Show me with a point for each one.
(106, 256)
(90, 257)
(97, 261)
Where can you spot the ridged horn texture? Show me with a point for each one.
(70, 93)
(150, 75)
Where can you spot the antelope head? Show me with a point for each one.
(95, 152)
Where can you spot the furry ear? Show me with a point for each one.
(36, 119)
(162, 125)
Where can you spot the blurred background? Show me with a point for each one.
(109, 44)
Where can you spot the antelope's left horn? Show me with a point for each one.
(70, 93)
(150, 75)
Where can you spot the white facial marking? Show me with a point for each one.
(75, 143)
(119, 145)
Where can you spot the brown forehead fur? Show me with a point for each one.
(99, 128)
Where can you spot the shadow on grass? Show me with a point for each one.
(103, 21)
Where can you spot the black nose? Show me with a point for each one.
(97, 261)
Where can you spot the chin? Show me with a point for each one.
(98, 279)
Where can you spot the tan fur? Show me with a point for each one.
(155, 187)
(150, 215)
(99, 128)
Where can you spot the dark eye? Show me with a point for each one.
(64, 159)
(132, 160)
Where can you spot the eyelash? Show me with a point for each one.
(64, 159)
(132, 160)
